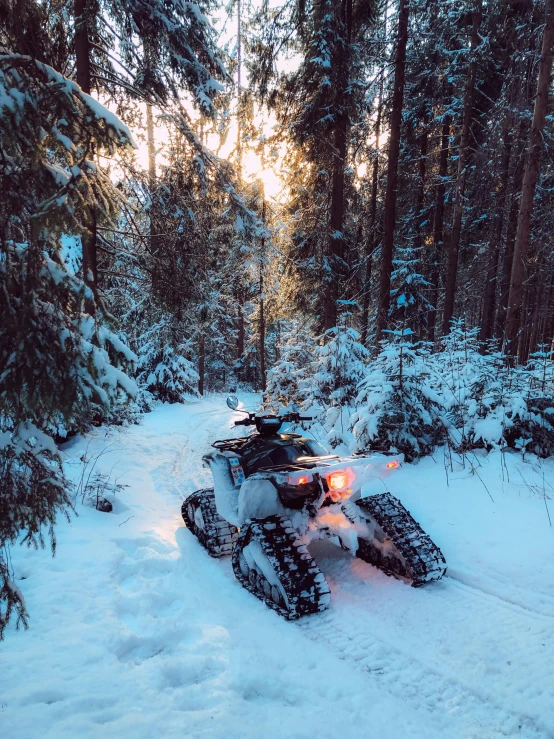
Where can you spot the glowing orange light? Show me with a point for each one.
(302, 481)
(337, 480)
(392, 465)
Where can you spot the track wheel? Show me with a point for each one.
(200, 515)
(269, 562)
(399, 545)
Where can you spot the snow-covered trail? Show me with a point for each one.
(136, 632)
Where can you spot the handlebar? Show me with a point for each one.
(286, 418)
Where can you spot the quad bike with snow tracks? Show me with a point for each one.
(274, 493)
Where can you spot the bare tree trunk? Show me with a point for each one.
(511, 234)
(239, 91)
(151, 142)
(548, 324)
(277, 340)
(336, 217)
(535, 324)
(420, 203)
(262, 316)
(372, 237)
(240, 321)
(530, 177)
(392, 170)
(489, 300)
(438, 226)
(201, 362)
(463, 152)
(83, 76)
(82, 45)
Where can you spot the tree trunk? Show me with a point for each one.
(535, 325)
(489, 300)
(240, 321)
(418, 318)
(392, 170)
(83, 76)
(438, 226)
(463, 152)
(201, 362)
(530, 177)
(151, 142)
(262, 316)
(547, 328)
(372, 237)
(82, 45)
(239, 92)
(510, 234)
(336, 216)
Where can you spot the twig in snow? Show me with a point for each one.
(544, 498)
(127, 519)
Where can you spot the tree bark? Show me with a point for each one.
(489, 300)
(83, 76)
(438, 225)
(201, 362)
(535, 325)
(530, 177)
(510, 234)
(463, 152)
(372, 237)
(392, 170)
(151, 143)
(336, 216)
(82, 45)
(422, 167)
(262, 315)
(420, 203)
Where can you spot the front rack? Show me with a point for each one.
(230, 444)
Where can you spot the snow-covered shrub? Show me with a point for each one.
(163, 371)
(535, 433)
(338, 367)
(515, 405)
(287, 379)
(455, 370)
(397, 405)
(491, 404)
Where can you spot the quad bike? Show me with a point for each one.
(274, 493)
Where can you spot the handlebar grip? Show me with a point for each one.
(305, 418)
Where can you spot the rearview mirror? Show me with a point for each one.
(232, 402)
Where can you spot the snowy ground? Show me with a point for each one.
(136, 632)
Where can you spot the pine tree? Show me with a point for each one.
(58, 363)
(397, 406)
(287, 380)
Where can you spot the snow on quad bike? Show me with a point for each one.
(274, 493)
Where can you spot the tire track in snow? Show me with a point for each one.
(173, 474)
(382, 643)
(519, 598)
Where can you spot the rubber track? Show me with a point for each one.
(219, 536)
(421, 560)
(304, 584)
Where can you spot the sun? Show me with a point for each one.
(252, 167)
(253, 170)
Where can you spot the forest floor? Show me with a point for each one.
(136, 632)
